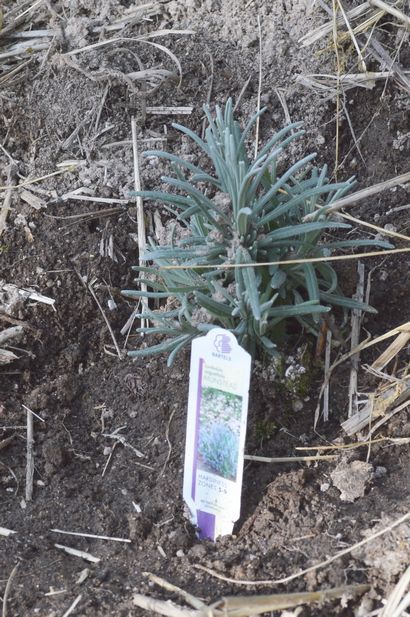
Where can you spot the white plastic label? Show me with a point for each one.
(216, 430)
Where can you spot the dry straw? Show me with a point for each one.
(238, 606)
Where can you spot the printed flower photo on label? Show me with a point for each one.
(219, 432)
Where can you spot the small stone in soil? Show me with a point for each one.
(351, 479)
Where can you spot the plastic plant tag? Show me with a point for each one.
(216, 429)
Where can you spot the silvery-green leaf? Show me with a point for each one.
(348, 303)
(251, 287)
(243, 217)
(177, 349)
(131, 293)
(304, 308)
(214, 307)
(297, 230)
(381, 244)
(178, 161)
(278, 279)
(192, 135)
(289, 206)
(311, 282)
(165, 347)
(263, 201)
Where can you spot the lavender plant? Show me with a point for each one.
(218, 449)
(243, 211)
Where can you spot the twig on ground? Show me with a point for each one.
(7, 356)
(381, 55)
(104, 471)
(315, 35)
(380, 230)
(143, 38)
(398, 600)
(66, 167)
(4, 443)
(19, 19)
(76, 553)
(154, 76)
(4, 612)
(122, 440)
(362, 64)
(126, 329)
(326, 83)
(3, 149)
(32, 412)
(281, 97)
(90, 535)
(74, 135)
(5, 208)
(73, 606)
(309, 260)
(82, 576)
(89, 287)
(6, 532)
(168, 442)
(23, 48)
(379, 404)
(57, 592)
(128, 142)
(11, 472)
(137, 15)
(369, 191)
(363, 345)
(356, 320)
(168, 608)
(288, 459)
(115, 435)
(35, 201)
(242, 92)
(383, 375)
(188, 597)
(86, 216)
(394, 390)
(11, 333)
(140, 207)
(93, 199)
(353, 446)
(16, 322)
(398, 209)
(338, 90)
(386, 418)
(246, 606)
(391, 352)
(27, 294)
(169, 111)
(352, 131)
(391, 10)
(326, 393)
(13, 72)
(30, 456)
(258, 104)
(100, 108)
(209, 95)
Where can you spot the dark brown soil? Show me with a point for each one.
(69, 374)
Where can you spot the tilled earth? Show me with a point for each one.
(100, 412)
